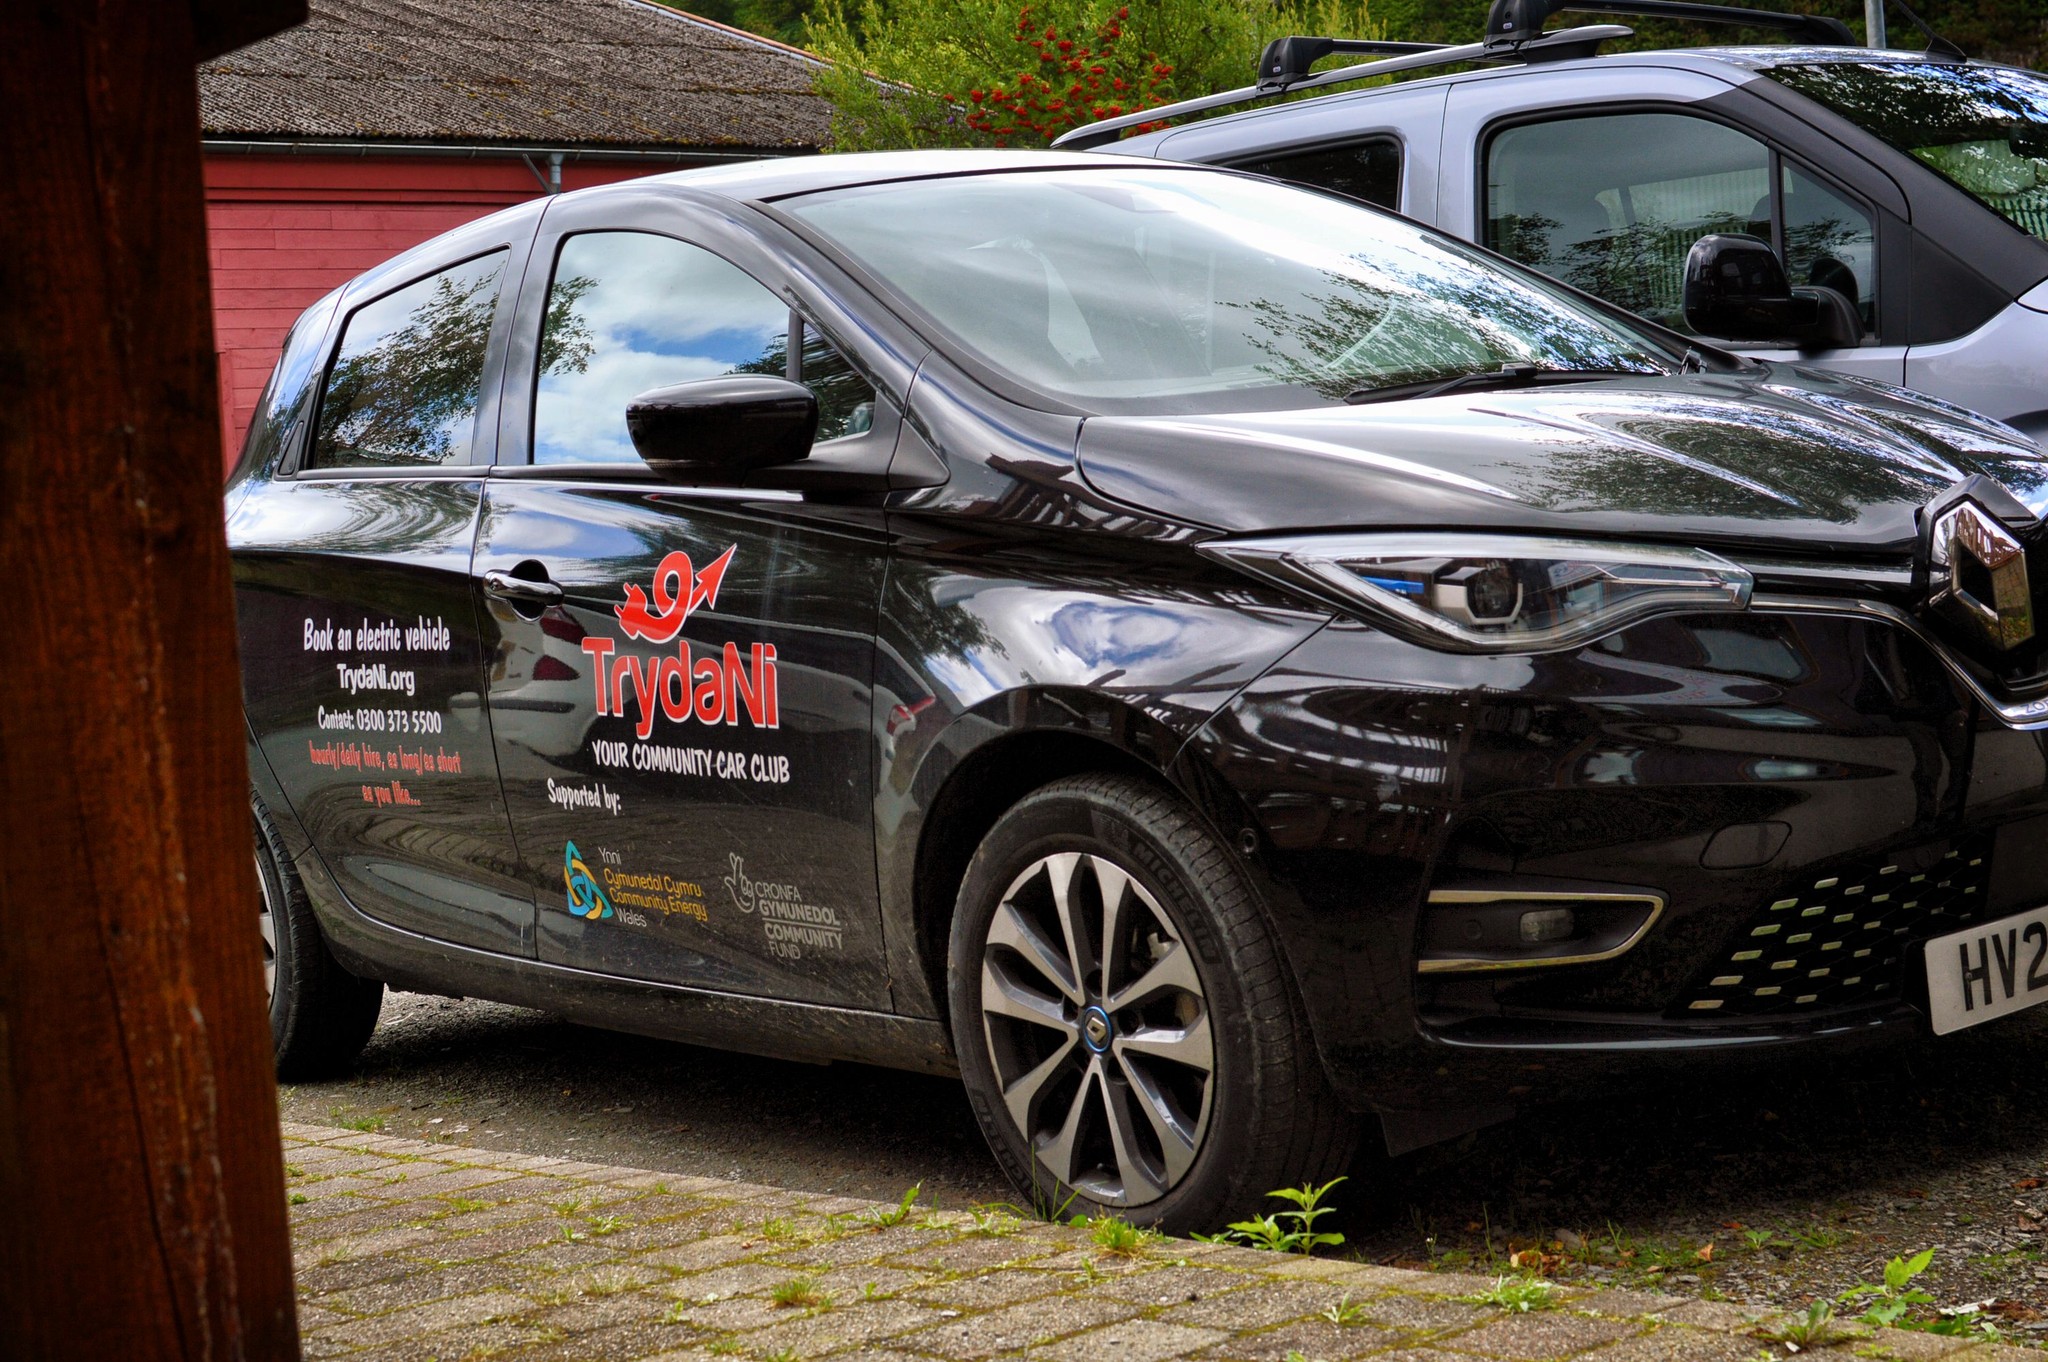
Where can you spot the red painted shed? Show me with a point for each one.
(381, 123)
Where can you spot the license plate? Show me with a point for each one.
(1988, 971)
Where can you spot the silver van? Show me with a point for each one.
(1903, 196)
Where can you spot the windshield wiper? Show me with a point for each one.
(1507, 376)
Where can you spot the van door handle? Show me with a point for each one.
(523, 590)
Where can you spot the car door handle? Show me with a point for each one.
(524, 590)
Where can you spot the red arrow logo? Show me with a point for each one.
(677, 593)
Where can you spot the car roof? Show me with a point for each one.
(780, 177)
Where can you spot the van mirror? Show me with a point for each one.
(723, 427)
(1736, 289)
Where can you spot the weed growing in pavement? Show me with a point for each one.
(872, 1291)
(777, 1227)
(1892, 1300)
(572, 1235)
(571, 1206)
(1345, 1312)
(464, 1205)
(1298, 1235)
(601, 1225)
(336, 1253)
(297, 1199)
(800, 1293)
(679, 1313)
(1297, 1355)
(368, 1125)
(723, 1346)
(1964, 1323)
(292, 1170)
(1120, 1237)
(1090, 1273)
(992, 1222)
(1042, 1206)
(782, 1355)
(1518, 1295)
(1814, 1329)
(1758, 1239)
(1897, 1303)
(888, 1219)
(1819, 1238)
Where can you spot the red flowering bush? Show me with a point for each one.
(964, 73)
(1067, 81)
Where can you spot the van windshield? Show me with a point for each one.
(1983, 127)
(1153, 290)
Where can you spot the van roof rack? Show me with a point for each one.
(1282, 71)
(1514, 32)
(1509, 19)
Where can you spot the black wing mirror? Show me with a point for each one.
(723, 428)
(1736, 289)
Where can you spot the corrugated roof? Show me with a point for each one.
(560, 73)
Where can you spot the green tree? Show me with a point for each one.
(905, 72)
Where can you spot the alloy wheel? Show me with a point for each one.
(268, 919)
(1098, 1029)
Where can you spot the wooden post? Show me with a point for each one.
(142, 1204)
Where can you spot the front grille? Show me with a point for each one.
(1842, 940)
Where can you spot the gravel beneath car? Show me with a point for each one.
(1771, 1189)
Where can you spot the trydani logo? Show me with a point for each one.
(586, 899)
(710, 684)
(677, 593)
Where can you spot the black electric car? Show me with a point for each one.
(1210, 662)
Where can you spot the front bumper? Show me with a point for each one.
(1812, 794)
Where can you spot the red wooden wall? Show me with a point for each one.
(283, 230)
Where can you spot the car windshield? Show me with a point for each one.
(1984, 127)
(1185, 290)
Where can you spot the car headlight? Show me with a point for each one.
(1478, 593)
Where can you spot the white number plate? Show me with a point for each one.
(1988, 971)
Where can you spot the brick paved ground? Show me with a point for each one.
(411, 1250)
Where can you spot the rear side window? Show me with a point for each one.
(1612, 203)
(1369, 171)
(283, 399)
(403, 389)
(632, 311)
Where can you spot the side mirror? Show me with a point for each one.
(723, 427)
(1735, 289)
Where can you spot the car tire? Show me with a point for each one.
(321, 1015)
(1085, 1065)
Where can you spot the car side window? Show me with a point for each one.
(407, 375)
(1612, 204)
(1369, 170)
(631, 311)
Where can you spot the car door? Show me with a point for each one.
(362, 663)
(1605, 178)
(680, 677)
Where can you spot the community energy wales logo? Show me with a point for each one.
(586, 898)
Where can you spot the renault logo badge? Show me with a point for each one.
(1979, 574)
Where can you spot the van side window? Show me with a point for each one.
(1368, 170)
(403, 388)
(1612, 203)
(632, 311)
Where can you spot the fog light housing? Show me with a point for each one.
(1471, 928)
(1548, 924)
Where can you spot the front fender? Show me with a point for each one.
(993, 678)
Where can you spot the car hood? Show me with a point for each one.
(1772, 456)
